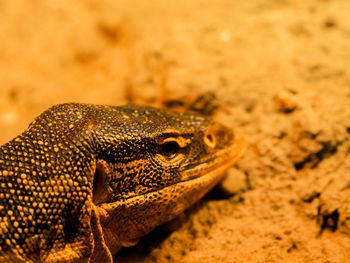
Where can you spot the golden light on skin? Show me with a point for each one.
(125, 116)
(183, 142)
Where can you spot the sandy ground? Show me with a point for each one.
(279, 71)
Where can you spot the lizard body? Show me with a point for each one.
(84, 180)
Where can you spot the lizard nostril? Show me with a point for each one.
(209, 140)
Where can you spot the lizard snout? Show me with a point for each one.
(218, 136)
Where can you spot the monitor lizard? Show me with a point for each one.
(84, 180)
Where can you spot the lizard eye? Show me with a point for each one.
(170, 149)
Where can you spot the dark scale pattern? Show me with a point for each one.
(45, 183)
(84, 180)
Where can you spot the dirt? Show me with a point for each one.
(279, 73)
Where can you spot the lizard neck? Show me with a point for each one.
(51, 178)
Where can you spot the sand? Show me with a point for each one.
(278, 74)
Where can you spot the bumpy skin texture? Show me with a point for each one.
(84, 180)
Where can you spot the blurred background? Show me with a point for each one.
(279, 73)
(115, 52)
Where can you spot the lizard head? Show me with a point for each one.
(154, 164)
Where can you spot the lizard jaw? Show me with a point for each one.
(160, 206)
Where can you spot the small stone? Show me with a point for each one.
(233, 183)
(285, 103)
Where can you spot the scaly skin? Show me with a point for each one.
(84, 180)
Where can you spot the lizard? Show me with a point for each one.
(84, 180)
